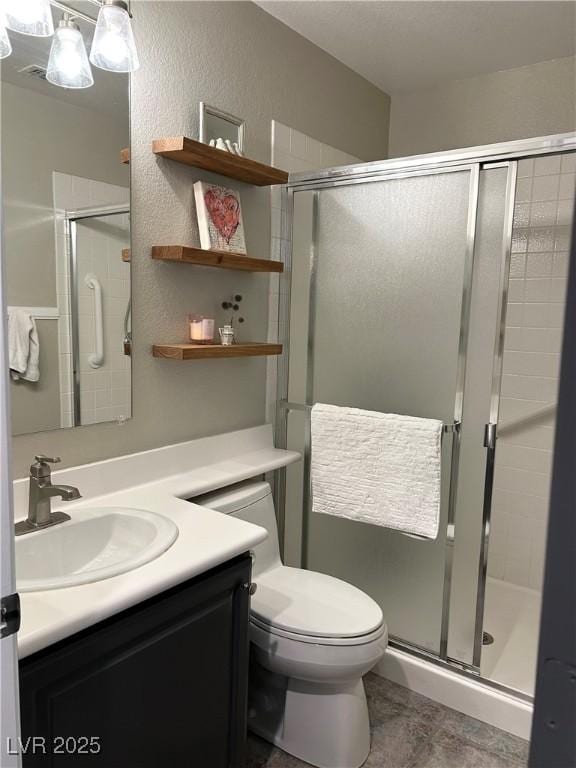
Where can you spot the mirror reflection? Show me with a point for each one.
(67, 239)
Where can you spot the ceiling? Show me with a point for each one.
(109, 93)
(408, 45)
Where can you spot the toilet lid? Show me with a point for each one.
(313, 604)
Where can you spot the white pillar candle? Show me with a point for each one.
(196, 330)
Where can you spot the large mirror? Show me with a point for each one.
(66, 198)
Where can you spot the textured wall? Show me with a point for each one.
(238, 58)
(535, 100)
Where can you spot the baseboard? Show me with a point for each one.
(466, 695)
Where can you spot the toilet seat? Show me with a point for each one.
(311, 607)
(316, 640)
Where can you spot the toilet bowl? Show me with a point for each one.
(312, 637)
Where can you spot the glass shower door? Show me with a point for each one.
(381, 278)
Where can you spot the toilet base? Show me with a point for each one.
(326, 725)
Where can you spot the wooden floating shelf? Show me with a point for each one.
(222, 259)
(126, 255)
(125, 156)
(211, 351)
(199, 155)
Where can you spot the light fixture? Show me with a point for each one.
(68, 65)
(113, 47)
(5, 45)
(30, 17)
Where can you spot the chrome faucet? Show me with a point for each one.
(41, 491)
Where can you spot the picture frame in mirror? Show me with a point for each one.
(216, 124)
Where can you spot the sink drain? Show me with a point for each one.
(487, 638)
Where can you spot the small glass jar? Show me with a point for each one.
(200, 329)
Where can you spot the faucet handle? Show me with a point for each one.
(41, 459)
(41, 467)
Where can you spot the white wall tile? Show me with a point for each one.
(565, 212)
(526, 169)
(548, 164)
(298, 145)
(518, 265)
(535, 315)
(519, 241)
(532, 343)
(514, 313)
(313, 152)
(539, 264)
(515, 291)
(567, 186)
(541, 239)
(545, 188)
(524, 190)
(562, 239)
(560, 264)
(543, 214)
(521, 387)
(556, 315)
(557, 289)
(536, 289)
(280, 138)
(521, 216)
(568, 164)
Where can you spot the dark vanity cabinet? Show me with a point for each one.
(161, 685)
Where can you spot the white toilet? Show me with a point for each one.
(313, 637)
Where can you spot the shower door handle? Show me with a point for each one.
(490, 435)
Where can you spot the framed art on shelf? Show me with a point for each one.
(219, 218)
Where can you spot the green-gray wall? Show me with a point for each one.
(535, 100)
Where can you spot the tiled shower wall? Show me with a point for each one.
(538, 275)
(104, 392)
(294, 152)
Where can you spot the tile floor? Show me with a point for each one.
(411, 731)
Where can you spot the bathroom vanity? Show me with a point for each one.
(162, 683)
(149, 666)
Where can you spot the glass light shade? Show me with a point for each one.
(113, 46)
(30, 17)
(68, 65)
(5, 45)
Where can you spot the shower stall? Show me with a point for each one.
(432, 286)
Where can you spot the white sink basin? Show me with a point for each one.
(95, 544)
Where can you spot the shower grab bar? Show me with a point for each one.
(96, 358)
(286, 405)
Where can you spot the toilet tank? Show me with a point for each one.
(252, 502)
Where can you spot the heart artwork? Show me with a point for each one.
(224, 211)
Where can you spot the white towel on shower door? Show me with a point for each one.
(23, 345)
(377, 468)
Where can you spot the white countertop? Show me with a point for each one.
(206, 538)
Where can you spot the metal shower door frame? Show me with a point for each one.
(490, 436)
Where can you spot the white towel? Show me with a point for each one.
(377, 468)
(23, 345)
